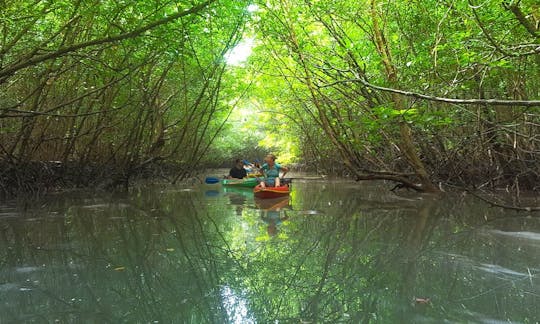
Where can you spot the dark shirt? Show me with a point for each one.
(238, 173)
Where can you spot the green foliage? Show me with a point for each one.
(72, 89)
(311, 54)
(155, 94)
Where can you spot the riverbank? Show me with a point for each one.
(40, 177)
(36, 178)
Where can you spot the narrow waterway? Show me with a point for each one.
(333, 252)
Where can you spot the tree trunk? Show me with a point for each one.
(407, 143)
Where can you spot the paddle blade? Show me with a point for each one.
(211, 193)
(211, 180)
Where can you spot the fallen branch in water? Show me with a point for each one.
(495, 204)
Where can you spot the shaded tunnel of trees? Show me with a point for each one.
(93, 93)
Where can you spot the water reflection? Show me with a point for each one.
(331, 252)
(236, 307)
(273, 212)
(238, 197)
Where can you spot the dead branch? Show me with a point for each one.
(495, 204)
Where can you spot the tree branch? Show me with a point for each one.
(403, 182)
(30, 113)
(490, 102)
(492, 203)
(9, 70)
(516, 10)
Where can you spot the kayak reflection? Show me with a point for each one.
(238, 197)
(273, 212)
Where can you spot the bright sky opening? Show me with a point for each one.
(240, 53)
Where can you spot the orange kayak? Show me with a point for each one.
(271, 192)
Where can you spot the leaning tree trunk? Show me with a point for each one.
(407, 143)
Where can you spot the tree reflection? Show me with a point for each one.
(327, 254)
(117, 262)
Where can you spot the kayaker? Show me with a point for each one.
(270, 169)
(237, 171)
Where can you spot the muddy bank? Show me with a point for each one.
(40, 177)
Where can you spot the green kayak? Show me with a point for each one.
(246, 183)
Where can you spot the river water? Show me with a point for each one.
(334, 252)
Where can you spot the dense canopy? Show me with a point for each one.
(422, 93)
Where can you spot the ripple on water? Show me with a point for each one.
(8, 287)
(497, 269)
(26, 269)
(309, 212)
(8, 215)
(521, 235)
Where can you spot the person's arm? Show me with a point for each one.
(285, 170)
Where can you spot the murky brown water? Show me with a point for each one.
(335, 251)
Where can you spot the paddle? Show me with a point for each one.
(305, 178)
(289, 180)
(211, 180)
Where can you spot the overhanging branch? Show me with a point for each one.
(491, 102)
(9, 70)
